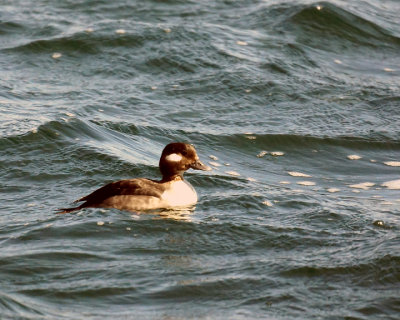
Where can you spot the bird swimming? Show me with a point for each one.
(142, 194)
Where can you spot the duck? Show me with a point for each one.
(142, 194)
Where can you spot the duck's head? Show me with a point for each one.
(177, 157)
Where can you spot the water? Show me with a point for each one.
(91, 91)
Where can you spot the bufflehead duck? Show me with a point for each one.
(143, 194)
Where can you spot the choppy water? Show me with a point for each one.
(91, 91)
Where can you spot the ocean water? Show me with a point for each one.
(295, 105)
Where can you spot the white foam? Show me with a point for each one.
(388, 69)
(233, 173)
(333, 190)
(306, 183)
(120, 31)
(268, 203)
(251, 179)
(213, 157)
(298, 174)
(100, 223)
(277, 153)
(363, 185)
(392, 163)
(241, 43)
(284, 182)
(354, 157)
(392, 185)
(262, 154)
(56, 55)
(215, 164)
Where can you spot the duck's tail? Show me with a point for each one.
(68, 210)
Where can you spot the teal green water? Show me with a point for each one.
(295, 105)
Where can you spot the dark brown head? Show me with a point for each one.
(178, 157)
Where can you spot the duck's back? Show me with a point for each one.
(133, 194)
(141, 194)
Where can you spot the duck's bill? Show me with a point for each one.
(198, 165)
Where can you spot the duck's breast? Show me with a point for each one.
(178, 194)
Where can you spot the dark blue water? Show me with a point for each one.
(295, 105)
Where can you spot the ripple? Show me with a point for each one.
(333, 27)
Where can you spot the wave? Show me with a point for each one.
(124, 133)
(12, 304)
(9, 27)
(384, 270)
(81, 43)
(325, 25)
(374, 141)
(322, 25)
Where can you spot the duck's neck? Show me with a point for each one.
(174, 177)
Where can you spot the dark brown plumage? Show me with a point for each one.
(142, 193)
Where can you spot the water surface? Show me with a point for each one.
(295, 105)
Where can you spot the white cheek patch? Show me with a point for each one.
(174, 157)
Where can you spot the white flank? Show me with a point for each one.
(174, 157)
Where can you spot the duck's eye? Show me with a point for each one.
(184, 153)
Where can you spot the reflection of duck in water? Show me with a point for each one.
(144, 194)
